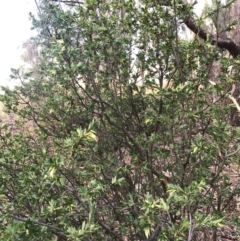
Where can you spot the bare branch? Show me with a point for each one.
(234, 102)
(221, 42)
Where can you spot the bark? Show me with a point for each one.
(225, 43)
(221, 42)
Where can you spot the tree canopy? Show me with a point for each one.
(120, 132)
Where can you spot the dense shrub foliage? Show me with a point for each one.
(120, 133)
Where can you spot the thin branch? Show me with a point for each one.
(233, 153)
(33, 221)
(191, 228)
(40, 14)
(234, 102)
(71, 2)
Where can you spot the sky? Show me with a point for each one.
(15, 27)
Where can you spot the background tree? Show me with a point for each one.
(109, 159)
(30, 54)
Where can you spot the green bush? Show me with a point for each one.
(108, 158)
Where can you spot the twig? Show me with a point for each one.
(33, 221)
(234, 102)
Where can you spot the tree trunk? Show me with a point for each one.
(229, 41)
